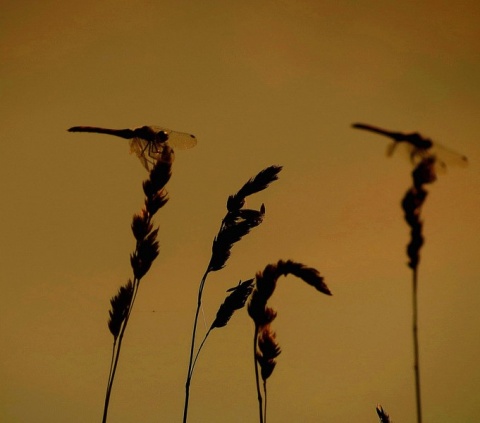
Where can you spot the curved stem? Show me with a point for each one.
(107, 393)
(116, 353)
(265, 396)
(416, 348)
(257, 379)
(198, 352)
(192, 346)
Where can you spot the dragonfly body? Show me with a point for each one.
(420, 147)
(147, 142)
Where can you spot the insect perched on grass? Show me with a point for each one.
(146, 142)
(419, 147)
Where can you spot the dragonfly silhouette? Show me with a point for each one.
(419, 146)
(147, 142)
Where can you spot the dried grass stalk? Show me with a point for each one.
(142, 258)
(238, 222)
(146, 251)
(235, 225)
(120, 307)
(235, 301)
(265, 346)
(424, 173)
(141, 225)
(268, 350)
(258, 183)
(265, 284)
(266, 281)
(382, 415)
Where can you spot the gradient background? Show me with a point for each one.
(259, 83)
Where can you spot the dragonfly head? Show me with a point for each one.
(417, 141)
(161, 136)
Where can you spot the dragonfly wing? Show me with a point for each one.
(146, 142)
(140, 148)
(443, 156)
(406, 151)
(418, 147)
(150, 152)
(448, 157)
(180, 140)
(391, 148)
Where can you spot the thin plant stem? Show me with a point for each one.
(198, 351)
(146, 250)
(265, 347)
(234, 301)
(415, 346)
(236, 224)
(107, 392)
(116, 353)
(192, 346)
(266, 399)
(412, 204)
(257, 377)
(382, 415)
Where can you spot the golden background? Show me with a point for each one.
(259, 83)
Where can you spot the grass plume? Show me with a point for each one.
(424, 173)
(235, 225)
(423, 156)
(382, 415)
(234, 301)
(265, 347)
(146, 251)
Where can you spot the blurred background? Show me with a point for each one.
(258, 83)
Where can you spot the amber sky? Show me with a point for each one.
(259, 83)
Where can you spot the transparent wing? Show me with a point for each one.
(180, 140)
(142, 149)
(444, 156)
(146, 142)
(447, 156)
(149, 152)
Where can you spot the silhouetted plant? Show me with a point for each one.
(382, 415)
(236, 224)
(265, 347)
(424, 173)
(146, 250)
(422, 154)
(233, 302)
